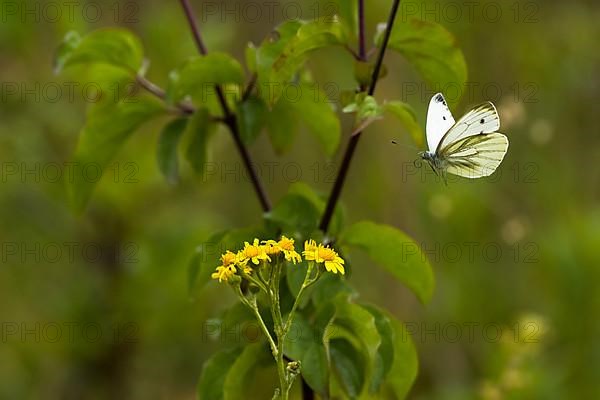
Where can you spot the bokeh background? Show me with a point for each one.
(97, 305)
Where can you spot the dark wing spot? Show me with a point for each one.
(482, 121)
(439, 98)
(444, 118)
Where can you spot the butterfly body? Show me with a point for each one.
(471, 147)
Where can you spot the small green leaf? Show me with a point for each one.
(432, 50)
(396, 252)
(349, 366)
(107, 128)
(366, 109)
(251, 118)
(214, 372)
(241, 373)
(167, 149)
(347, 11)
(250, 56)
(65, 50)
(363, 72)
(201, 128)
(198, 76)
(112, 46)
(407, 117)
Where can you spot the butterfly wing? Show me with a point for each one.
(482, 119)
(439, 121)
(476, 155)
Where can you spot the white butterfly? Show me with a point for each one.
(471, 147)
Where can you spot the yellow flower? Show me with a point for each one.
(323, 254)
(252, 252)
(287, 246)
(228, 258)
(271, 247)
(224, 273)
(247, 270)
(227, 269)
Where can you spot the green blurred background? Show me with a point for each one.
(97, 305)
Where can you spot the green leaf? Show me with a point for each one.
(385, 352)
(198, 76)
(366, 109)
(396, 252)
(241, 373)
(361, 324)
(282, 125)
(299, 338)
(432, 50)
(403, 371)
(319, 201)
(349, 366)
(108, 126)
(167, 149)
(363, 72)
(250, 57)
(207, 252)
(315, 367)
(280, 56)
(214, 372)
(330, 286)
(294, 213)
(317, 114)
(251, 118)
(310, 106)
(201, 128)
(306, 343)
(347, 11)
(405, 113)
(295, 278)
(112, 46)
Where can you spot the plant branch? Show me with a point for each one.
(361, 31)
(230, 118)
(353, 142)
(308, 280)
(160, 93)
(254, 307)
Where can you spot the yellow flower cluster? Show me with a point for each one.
(323, 254)
(254, 253)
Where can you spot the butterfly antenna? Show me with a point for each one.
(404, 145)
